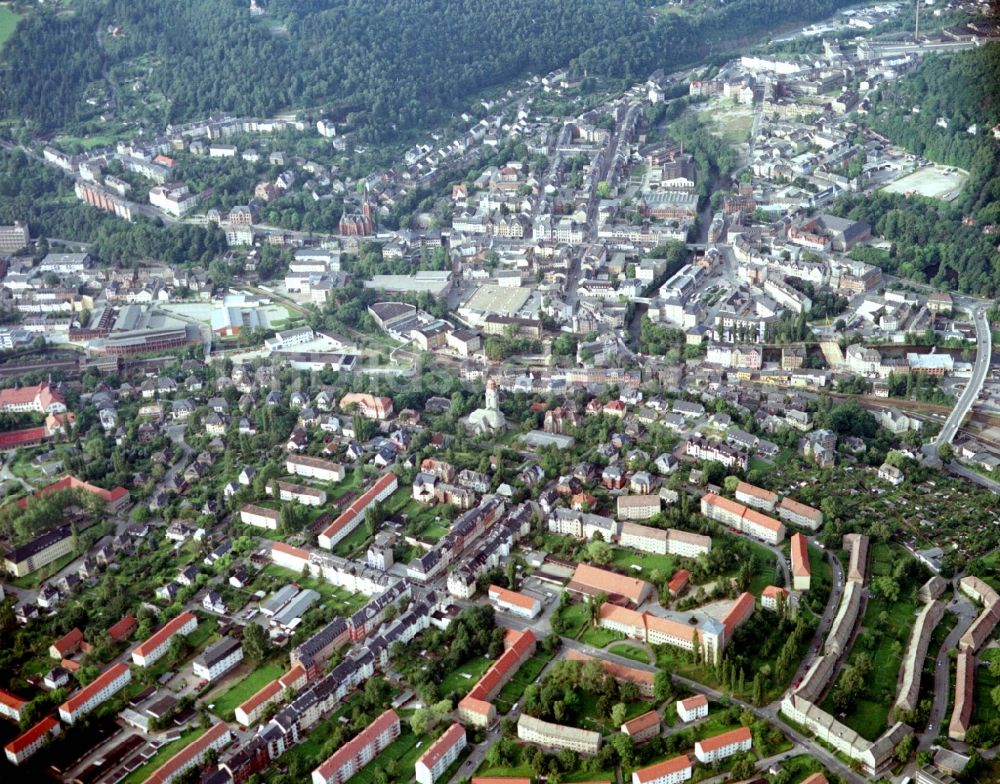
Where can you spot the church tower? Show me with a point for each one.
(492, 396)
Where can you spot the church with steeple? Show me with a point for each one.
(490, 418)
(358, 224)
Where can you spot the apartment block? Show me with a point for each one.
(801, 570)
(218, 659)
(314, 468)
(558, 736)
(102, 688)
(359, 751)
(149, 652)
(349, 519)
(671, 771)
(692, 708)
(725, 745)
(440, 755)
(514, 602)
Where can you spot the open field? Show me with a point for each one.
(933, 182)
(465, 677)
(246, 688)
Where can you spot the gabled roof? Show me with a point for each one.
(661, 769)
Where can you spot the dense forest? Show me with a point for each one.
(394, 65)
(932, 241)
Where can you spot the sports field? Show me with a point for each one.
(934, 182)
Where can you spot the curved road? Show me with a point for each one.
(984, 350)
(966, 612)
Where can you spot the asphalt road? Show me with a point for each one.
(966, 612)
(984, 350)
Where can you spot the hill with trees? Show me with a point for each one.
(392, 65)
(933, 241)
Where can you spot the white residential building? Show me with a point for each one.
(725, 745)
(441, 754)
(218, 659)
(692, 708)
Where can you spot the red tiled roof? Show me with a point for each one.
(359, 505)
(741, 610)
(442, 745)
(738, 735)
(24, 740)
(21, 395)
(350, 749)
(609, 582)
(499, 670)
(287, 549)
(477, 699)
(267, 693)
(168, 630)
(697, 701)
(773, 592)
(640, 723)
(617, 671)
(70, 482)
(665, 768)
(800, 556)
(293, 675)
(16, 438)
(757, 492)
(769, 523)
(192, 750)
(512, 597)
(123, 629)
(679, 580)
(732, 507)
(799, 508)
(69, 642)
(101, 681)
(12, 700)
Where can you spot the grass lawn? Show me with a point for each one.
(522, 771)
(630, 652)
(166, 752)
(405, 751)
(600, 637)
(434, 531)
(465, 677)
(885, 631)
(246, 688)
(577, 616)
(984, 709)
(356, 540)
(678, 661)
(822, 575)
(801, 766)
(352, 481)
(626, 558)
(8, 21)
(524, 677)
(764, 569)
